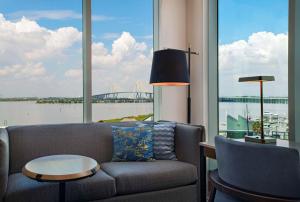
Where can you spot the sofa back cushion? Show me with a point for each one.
(29, 142)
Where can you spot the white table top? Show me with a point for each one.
(60, 167)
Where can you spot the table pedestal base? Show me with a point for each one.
(62, 192)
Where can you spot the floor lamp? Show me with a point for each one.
(170, 68)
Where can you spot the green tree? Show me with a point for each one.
(256, 127)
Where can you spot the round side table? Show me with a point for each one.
(60, 168)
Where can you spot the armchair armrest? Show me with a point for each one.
(187, 138)
(4, 161)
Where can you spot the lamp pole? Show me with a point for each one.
(189, 88)
(261, 111)
(189, 100)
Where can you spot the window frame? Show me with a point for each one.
(214, 69)
(87, 59)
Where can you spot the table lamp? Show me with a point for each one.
(259, 139)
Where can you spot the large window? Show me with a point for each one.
(41, 72)
(40, 46)
(122, 54)
(253, 40)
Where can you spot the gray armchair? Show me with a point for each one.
(264, 169)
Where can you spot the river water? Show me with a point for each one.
(25, 113)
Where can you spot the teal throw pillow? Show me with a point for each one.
(132, 143)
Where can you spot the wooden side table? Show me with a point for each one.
(60, 168)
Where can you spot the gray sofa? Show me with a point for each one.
(158, 181)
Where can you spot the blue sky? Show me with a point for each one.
(51, 51)
(253, 16)
(50, 54)
(240, 18)
(133, 15)
(110, 16)
(253, 41)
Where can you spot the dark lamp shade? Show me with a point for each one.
(169, 68)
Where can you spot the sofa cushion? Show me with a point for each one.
(134, 177)
(21, 188)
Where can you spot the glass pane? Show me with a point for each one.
(40, 45)
(253, 41)
(122, 55)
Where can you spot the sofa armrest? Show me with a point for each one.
(4, 161)
(187, 138)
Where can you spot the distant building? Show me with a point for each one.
(237, 128)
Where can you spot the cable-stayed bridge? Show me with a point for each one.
(124, 97)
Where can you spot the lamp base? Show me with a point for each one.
(257, 139)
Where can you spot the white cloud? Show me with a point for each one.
(110, 35)
(102, 18)
(34, 56)
(38, 61)
(125, 68)
(26, 40)
(54, 15)
(54, 42)
(46, 14)
(263, 53)
(74, 73)
(147, 37)
(125, 50)
(23, 70)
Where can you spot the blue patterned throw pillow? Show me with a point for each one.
(132, 143)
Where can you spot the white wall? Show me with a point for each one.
(172, 34)
(181, 23)
(196, 38)
(294, 70)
